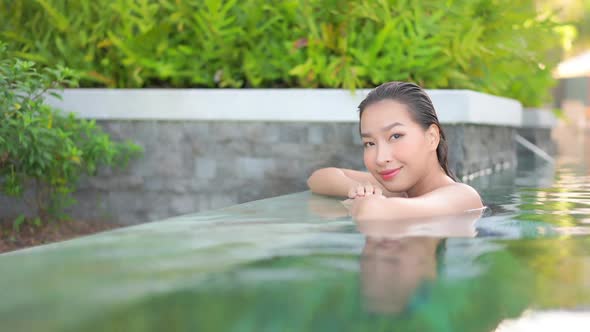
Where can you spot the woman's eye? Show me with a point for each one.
(396, 136)
(368, 144)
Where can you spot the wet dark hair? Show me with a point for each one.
(420, 107)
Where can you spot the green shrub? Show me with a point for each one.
(500, 47)
(42, 148)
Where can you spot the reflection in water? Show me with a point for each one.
(392, 270)
(400, 259)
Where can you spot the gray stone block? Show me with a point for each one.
(203, 202)
(205, 168)
(253, 168)
(196, 130)
(168, 162)
(181, 204)
(294, 133)
(168, 185)
(108, 183)
(337, 133)
(315, 134)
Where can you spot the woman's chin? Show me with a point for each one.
(395, 190)
(392, 185)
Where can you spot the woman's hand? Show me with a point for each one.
(363, 190)
(367, 207)
(363, 198)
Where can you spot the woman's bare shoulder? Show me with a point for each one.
(466, 193)
(460, 195)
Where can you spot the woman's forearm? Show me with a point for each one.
(399, 208)
(396, 208)
(330, 181)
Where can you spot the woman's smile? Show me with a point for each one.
(389, 174)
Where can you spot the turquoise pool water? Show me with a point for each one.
(299, 263)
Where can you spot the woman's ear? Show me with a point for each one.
(433, 136)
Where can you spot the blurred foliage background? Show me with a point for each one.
(575, 13)
(503, 47)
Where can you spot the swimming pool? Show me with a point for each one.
(298, 263)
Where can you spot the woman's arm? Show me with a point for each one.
(334, 181)
(448, 200)
(458, 225)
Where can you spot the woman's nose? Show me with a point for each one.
(384, 155)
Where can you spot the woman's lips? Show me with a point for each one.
(389, 174)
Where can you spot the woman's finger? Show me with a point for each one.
(352, 192)
(378, 191)
(360, 190)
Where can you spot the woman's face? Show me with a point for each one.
(397, 150)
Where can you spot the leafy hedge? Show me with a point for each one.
(42, 149)
(500, 46)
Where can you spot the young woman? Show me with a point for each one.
(405, 153)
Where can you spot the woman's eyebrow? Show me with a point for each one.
(386, 128)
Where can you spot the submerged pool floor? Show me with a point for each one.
(299, 263)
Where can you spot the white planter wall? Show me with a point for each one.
(299, 105)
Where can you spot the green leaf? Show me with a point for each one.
(60, 21)
(16, 224)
